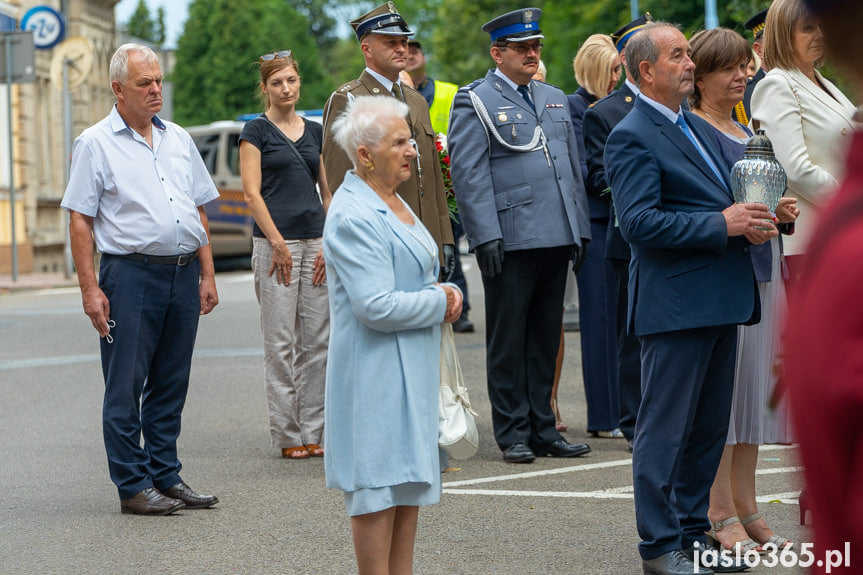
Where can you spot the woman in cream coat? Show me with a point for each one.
(808, 119)
(386, 307)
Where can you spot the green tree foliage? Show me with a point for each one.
(216, 75)
(142, 24)
(461, 50)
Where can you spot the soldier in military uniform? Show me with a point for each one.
(521, 198)
(383, 37)
(600, 118)
(742, 111)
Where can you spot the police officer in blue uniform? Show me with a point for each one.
(521, 198)
(599, 120)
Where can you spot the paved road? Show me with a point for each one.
(59, 512)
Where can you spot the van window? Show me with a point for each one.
(208, 147)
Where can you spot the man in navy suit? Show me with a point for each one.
(691, 282)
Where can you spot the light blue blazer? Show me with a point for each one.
(383, 373)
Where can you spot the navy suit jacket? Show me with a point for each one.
(599, 120)
(685, 271)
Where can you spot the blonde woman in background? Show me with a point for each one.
(597, 71)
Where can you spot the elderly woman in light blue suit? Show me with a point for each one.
(386, 309)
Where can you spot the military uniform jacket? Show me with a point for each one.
(425, 195)
(529, 199)
(745, 115)
(599, 120)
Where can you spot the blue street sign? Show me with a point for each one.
(47, 25)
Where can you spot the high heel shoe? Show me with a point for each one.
(558, 422)
(744, 546)
(780, 542)
(803, 501)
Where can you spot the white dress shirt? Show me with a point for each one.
(142, 199)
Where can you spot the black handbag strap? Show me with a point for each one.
(292, 147)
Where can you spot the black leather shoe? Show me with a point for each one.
(672, 563)
(462, 325)
(150, 501)
(192, 500)
(710, 558)
(562, 448)
(518, 453)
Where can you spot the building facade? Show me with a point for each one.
(39, 142)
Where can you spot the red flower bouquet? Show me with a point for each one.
(443, 156)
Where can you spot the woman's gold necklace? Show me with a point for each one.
(726, 124)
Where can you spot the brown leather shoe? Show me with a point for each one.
(192, 500)
(150, 501)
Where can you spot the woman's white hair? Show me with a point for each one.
(118, 70)
(363, 123)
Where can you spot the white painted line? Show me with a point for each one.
(239, 278)
(775, 470)
(775, 447)
(58, 291)
(565, 494)
(544, 472)
(788, 497)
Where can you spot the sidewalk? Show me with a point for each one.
(35, 281)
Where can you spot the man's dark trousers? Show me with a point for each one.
(523, 321)
(687, 382)
(155, 308)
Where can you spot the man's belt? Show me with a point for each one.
(178, 260)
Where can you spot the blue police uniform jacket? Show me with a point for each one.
(532, 198)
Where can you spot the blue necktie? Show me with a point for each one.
(525, 93)
(681, 121)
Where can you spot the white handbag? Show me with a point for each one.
(457, 435)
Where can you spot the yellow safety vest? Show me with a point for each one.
(444, 92)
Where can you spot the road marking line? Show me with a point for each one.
(566, 494)
(239, 278)
(36, 362)
(775, 447)
(788, 497)
(544, 472)
(774, 470)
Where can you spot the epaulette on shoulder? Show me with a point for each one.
(472, 85)
(349, 86)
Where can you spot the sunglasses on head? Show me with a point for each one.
(274, 55)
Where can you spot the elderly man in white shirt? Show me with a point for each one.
(138, 186)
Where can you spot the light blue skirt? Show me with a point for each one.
(363, 501)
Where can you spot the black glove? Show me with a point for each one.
(448, 262)
(579, 255)
(489, 257)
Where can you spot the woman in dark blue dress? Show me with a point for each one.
(597, 71)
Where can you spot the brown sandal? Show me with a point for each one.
(315, 450)
(298, 452)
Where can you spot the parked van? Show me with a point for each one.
(230, 218)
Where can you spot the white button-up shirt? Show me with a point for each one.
(142, 199)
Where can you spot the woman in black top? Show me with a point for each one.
(280, 165)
